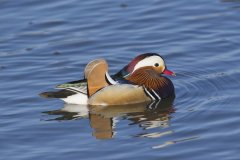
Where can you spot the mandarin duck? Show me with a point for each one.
(140, 81)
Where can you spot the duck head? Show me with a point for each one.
(149, 61)
(147, 70)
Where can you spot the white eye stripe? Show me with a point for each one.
(149, 61)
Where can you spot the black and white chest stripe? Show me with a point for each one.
(151, 93)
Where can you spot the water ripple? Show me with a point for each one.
(45, 43)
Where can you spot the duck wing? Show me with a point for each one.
(67, 89)
(74, 86)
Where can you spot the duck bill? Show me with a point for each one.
(168, 72)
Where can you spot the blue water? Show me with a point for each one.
(46, 43)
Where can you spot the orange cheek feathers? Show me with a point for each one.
(159, 69)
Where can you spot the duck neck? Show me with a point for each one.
(153, 81)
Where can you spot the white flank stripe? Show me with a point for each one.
(78, 98)
(109, 78)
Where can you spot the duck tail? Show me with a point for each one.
(57, 94)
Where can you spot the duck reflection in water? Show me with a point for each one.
(103, 118)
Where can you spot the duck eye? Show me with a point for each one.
(156, 64)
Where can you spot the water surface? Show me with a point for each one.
(45, 43)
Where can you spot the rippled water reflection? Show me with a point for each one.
(103, 119)
(44, 43)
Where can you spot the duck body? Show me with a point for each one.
(139, 81)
